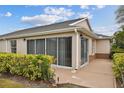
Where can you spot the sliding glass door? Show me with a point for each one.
(60, 48)
(51, 47)
(65, 51)
(84, 50)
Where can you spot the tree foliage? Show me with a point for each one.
(119, 39)
(120, 15)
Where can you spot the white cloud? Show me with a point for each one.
(58, 11)
(100, 6)
(50, 16)
(8, 14)
(86, 14)
(84, 6)
(42, 19)
(106, 30)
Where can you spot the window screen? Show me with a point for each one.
(51, 47)
(31, 46)
(13, 46)
(40, 46)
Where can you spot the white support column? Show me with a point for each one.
(75, 50)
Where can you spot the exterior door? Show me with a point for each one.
(84, 50)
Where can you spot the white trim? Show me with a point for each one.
(58, 66)
(85, 64)
(77, 22)
(50, 36)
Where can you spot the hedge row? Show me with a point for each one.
(118, 64)
(30, 66)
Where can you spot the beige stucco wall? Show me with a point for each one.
(21, 46)
(103, 46)
(93, 46)
(3, 47)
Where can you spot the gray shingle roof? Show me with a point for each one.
(55, 26)
(102, 35)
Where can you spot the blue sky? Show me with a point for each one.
(12, 18)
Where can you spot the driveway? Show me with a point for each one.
(97, 74)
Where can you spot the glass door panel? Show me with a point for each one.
(65, 51)
(40, 46)
(51, 47)
(84, 50)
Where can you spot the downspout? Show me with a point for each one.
(77, 44)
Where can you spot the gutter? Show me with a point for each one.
(89, 33)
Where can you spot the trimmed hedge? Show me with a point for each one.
(30, 66)
(118, 64)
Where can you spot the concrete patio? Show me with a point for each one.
(98, 74)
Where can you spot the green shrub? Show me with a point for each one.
(118, 64)
(30, 66)
(115, 49)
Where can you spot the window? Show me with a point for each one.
(31, 46)
(13, 46)
(36, 46)
(60, 48)
(65, 51)
(40, 46)
(51, 47)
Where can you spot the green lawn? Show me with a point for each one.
(6, 83)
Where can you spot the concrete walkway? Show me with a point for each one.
(98, 74)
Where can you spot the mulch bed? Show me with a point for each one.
(28, 83)
(119, 83)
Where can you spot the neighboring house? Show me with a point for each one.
(72, 43)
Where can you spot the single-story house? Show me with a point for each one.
(72, 43)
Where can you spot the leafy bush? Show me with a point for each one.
(118, 64)
(115, 49)
(30, 66)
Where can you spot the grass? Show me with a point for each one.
(6, 83)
